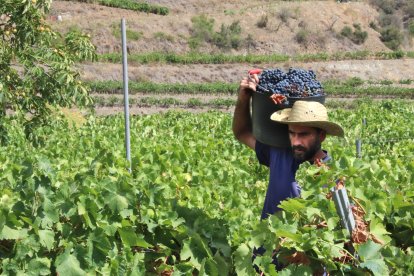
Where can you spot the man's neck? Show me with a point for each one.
(319, 155)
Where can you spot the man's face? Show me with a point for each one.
(305, 141)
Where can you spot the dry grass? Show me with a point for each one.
(278, 36)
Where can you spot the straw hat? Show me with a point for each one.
(307, 113)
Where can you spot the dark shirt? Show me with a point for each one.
(282, 183)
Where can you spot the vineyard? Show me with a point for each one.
(192, 202)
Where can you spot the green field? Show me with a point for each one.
(191, 205)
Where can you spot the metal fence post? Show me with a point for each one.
(126, 100)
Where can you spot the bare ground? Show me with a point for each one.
(394, 70)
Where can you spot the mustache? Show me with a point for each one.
(298, 148)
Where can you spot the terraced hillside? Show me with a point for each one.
(305, 34)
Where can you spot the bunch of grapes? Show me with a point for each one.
(296, 82)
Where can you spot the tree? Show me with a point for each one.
(37, 65)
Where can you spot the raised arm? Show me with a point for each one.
(242, 121)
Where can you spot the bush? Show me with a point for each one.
(285, 14)
(202, 30)
(373, 25)
(386, 20)
(262, 23)
(302, 36)
(391, 37)
(409, 9)
(387, 6)
(164, 37)
(411, 27)
(354, 82)
(346, 31)
(357, 36)
(229, 36)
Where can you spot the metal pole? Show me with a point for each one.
(126, 101)
(358, 148)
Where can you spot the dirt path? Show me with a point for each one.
(393, 70)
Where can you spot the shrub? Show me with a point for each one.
(202, 30)
(346, 31)
(386, 20)
(284, 14)
(409, 9)
(391, 37)
(229, 36)
(373, 25)
(302, 36)
(130, 34)
(354, 82)
(411, 27)
(250, 42)
(262, 23)
(164, 36)
(357, 36)
(387, 6)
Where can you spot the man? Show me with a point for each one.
(308, 126)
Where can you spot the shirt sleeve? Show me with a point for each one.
(262, 153)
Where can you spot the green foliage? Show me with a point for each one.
(354, 82)
(201, 31)
(164, 36)
(229, 36)
(411, 27)
(203, 58)
(392, 37)
(357, 35)
(135, 6)
(130, 34)
(37, 71)
(285, 14)
(262, 22)
(387, 6)
(349, 87)
(302, 36)
(192, 202)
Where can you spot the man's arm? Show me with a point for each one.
(242, 121)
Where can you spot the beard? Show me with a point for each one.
(304, 154)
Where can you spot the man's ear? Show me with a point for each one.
(322, 135)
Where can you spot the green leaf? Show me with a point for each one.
(130, 238)
(369, 250)
(47, 238)
(68, 265)
(292, 205)
(117, 203)
(376, 266)
(293, 270)
(13, 234)
(378, 230)
(195, 249)
(39, 266)
(243, 260)
(209, 267)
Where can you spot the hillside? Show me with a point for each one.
(319, 21)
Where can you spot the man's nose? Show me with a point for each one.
(295, 141)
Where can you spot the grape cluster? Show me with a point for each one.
(296, 82)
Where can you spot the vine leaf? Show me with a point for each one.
(369, 252)
(68, 264)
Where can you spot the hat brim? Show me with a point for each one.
(331, 128)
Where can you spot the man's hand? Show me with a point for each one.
(248, 85)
